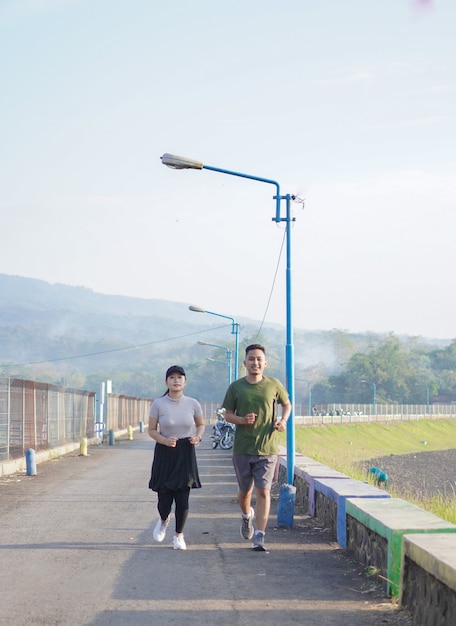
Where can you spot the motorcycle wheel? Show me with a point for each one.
(214, 444)
(227, 440)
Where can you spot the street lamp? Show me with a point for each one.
(229, 356)
(234, 331)
(374, 387)
(220, 361)
(179, 163)
(427, 395)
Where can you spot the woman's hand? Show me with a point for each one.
(195, 440)
(171, 442)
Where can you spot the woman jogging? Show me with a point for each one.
(176, 423)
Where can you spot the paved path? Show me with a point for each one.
(76, 548)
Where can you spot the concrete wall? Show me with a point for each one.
(411, 550)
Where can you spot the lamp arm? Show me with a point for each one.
(251, 177)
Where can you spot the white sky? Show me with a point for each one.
(348, 103)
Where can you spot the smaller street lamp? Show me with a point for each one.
(234, 331)
(218, 361)
(229, 355)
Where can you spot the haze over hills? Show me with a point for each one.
(61, 333)
(18, 293)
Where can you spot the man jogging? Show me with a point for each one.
(250, 403)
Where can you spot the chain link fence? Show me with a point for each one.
(41, 416)
(44, 416)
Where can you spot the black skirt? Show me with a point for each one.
(174, 469)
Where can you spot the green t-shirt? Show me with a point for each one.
(243, 397)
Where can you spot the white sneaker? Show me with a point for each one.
(160, 530)
(179, 542)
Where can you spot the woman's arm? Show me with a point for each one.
(199, 423)
(155, 434)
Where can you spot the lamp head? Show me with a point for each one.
(197, 309)
(176, 162)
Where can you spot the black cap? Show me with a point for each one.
(175, 369)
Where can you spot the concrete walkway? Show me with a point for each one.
(77, 548)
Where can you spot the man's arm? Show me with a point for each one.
(281, 425)
(232, 418)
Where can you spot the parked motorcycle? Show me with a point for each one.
(223, 432)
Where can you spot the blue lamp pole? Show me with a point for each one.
(374, 387)
(180, 163)
(234, 331)
(229, 357)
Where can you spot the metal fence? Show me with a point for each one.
(44, 416)
(343, 413)
(41, 416)
(124, 411)
(334, 413)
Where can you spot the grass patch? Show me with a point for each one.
(344, 446)
(351, 443)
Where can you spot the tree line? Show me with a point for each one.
(402, 372)
(332, 365)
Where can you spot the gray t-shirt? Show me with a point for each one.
(176, 418)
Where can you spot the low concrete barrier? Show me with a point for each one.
(331, 497)
(308, 475)
(428, 587)
(20, 464)
(392, 519)
(412, 550)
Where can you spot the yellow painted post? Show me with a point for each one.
(83, 447)
(130, 432)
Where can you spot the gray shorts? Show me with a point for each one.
(254, 470)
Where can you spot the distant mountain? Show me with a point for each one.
(21, 294)
(55, 332)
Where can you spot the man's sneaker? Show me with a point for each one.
(247, 525)
(179, 542)
(160, 530)
(258, 542)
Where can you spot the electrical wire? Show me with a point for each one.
(151, 343)
(140, 345)
(301, 201)
(273, 284)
